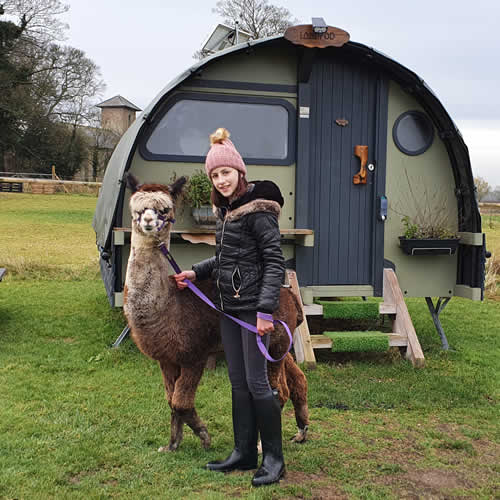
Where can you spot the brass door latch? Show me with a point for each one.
(362, 153)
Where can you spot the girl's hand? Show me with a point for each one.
(264, 326)
(179, 278)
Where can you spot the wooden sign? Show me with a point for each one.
(304, 34)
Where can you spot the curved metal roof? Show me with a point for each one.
(469, 217)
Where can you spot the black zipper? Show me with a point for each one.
(220, 253)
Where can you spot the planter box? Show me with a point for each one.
(428, 247)
(204, 215)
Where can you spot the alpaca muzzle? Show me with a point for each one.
(150, 220)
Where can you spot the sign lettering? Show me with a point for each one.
(317, 36)
(305, 35)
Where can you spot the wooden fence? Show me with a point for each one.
(489, 208)
(47, 186)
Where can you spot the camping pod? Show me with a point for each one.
(356, 142)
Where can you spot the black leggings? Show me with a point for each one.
(247, 366)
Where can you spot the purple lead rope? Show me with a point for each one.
(244, 324)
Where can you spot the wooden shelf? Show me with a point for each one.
(304, 237)
(211, 230)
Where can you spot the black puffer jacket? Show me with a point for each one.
(248, 266)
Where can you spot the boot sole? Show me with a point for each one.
(280, 477)
(231, 469)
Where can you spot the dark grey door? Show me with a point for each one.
(347, 104)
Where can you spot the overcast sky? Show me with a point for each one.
(452, 45)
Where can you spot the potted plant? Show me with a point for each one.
(427, 239)
(427, 231)
(198, 196)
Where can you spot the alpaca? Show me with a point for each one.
(178, 330)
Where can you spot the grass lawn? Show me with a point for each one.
(48, 236)
(79, 420)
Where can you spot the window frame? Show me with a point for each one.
(428, 143)
(195, 96)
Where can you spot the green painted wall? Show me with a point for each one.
(277, 65)
(163, 172)
(423, 182)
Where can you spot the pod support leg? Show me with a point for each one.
(435, 311)
(122, 336)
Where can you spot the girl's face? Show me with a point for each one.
(225, 180)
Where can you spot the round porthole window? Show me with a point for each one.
(413, 133)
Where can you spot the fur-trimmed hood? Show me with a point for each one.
(262, 196)
(258, 205)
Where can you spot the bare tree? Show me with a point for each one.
(259, 18)
(482, 187)
(67, 83)
(48, 90)
(40, 17)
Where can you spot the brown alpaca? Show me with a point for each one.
(178, 330)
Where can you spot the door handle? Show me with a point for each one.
(362, 153)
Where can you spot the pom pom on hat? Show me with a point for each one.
(219, 135)
(222, 153)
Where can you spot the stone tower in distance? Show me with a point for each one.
(117, 114)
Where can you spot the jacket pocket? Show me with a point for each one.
(250, 279)
(236, 281)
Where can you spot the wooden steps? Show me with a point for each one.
(313, 309)
(349, 309)
(323, 341)
(302, 344)
(403, 333)
(351, 341)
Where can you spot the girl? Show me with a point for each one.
(248, 268)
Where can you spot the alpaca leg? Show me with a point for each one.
(170, 373)
(176, 433)
(183, 400)
(277, 380)
(297, 382)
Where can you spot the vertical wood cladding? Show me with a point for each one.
(341, 213)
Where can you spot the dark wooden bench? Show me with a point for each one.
(11, 186)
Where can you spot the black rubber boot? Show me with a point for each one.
(268, 414)
(244, 454)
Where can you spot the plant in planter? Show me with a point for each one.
(428, 239)
(198, 196)
(427, 231)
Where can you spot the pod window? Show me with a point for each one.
(413, 133)
(261, 128)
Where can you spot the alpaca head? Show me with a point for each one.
(153, 205)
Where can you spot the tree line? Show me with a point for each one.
(47, 90)
(485, 191)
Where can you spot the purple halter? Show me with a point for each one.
(163, 218)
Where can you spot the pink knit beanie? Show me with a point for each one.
(223, 153)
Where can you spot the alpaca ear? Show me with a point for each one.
(132, 182)
(177, 187)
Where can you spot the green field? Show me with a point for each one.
(79, 420)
